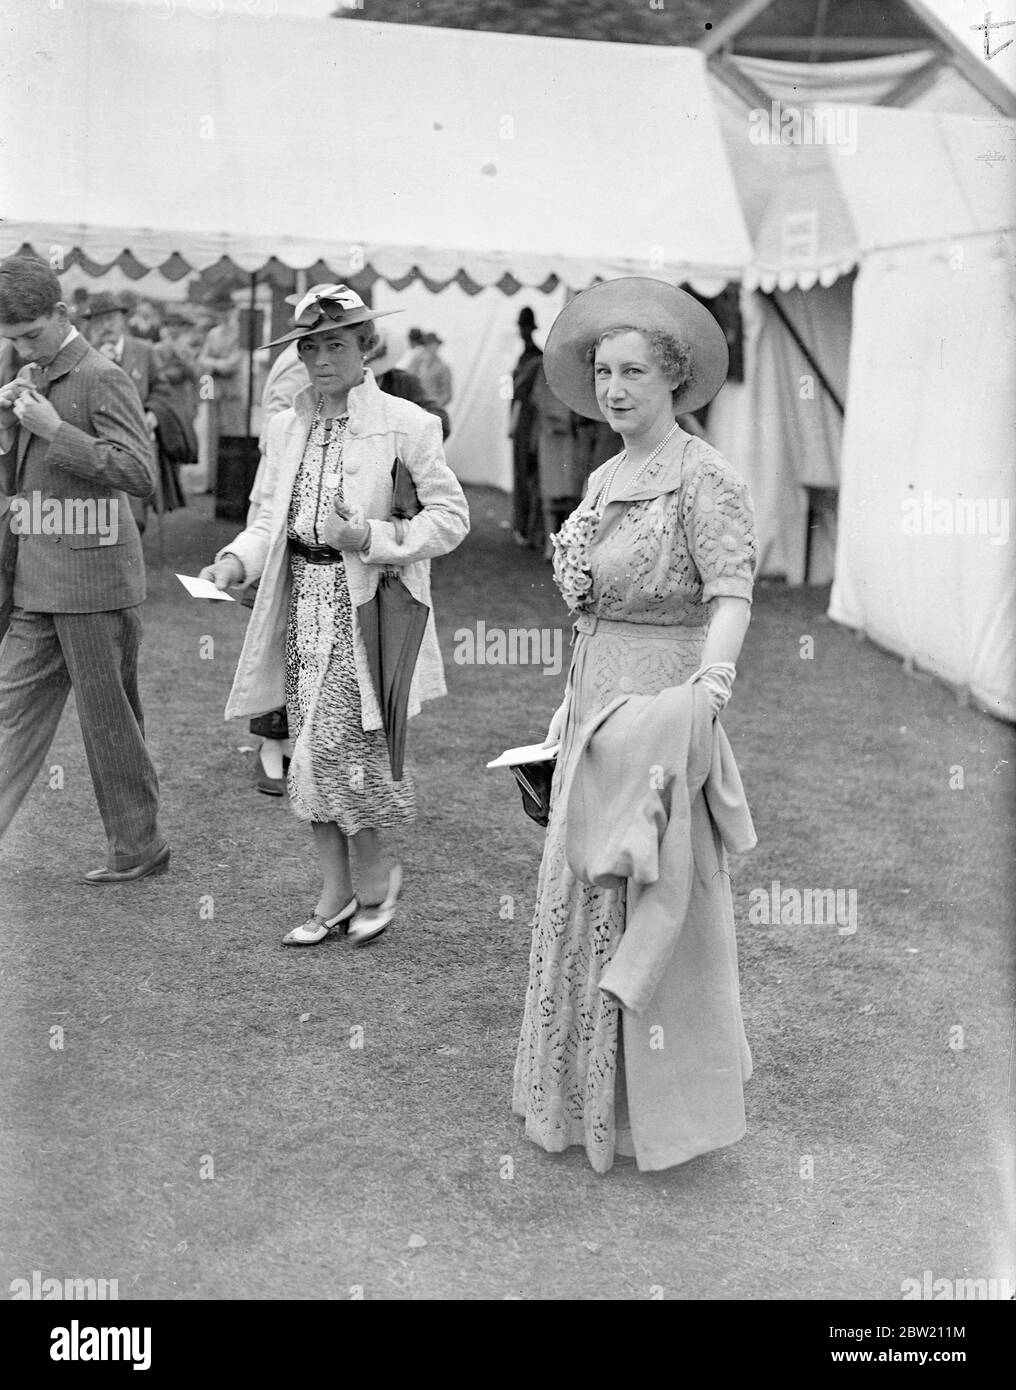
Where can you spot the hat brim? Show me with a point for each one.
(349, 320)
(640, 303)
(101, 311)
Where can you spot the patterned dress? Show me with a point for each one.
(641, 579)
(339, 772)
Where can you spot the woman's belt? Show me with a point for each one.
(315, 554)
(589, 623)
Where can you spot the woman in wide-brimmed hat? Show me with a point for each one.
(320, 539)
(657, 561)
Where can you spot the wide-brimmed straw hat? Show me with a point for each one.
(325, 307)
(640, 303)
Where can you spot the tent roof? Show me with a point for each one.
(384, 145)
(903, 178)
(949, 177)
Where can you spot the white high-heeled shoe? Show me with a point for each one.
(316, 928)
(370, 922)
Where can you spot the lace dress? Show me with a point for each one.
(641, 580)
(338, 772)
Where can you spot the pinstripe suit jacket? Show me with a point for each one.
(100, 453)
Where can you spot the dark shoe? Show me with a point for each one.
(158, 864)
(271, 786)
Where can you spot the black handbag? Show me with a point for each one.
(535, 780)
(274, 724)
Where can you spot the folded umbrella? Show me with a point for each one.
(392, 625)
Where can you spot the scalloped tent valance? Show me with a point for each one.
(454, 155)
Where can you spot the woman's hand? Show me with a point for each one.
(224, 572)
(717, 680)
(345, 530)
(556, 725)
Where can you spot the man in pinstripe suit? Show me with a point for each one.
(73, 444)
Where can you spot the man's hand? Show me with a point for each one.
(152, 421)
(8, 395)
(37, 415)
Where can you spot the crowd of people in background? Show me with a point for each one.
(190, 371)
(554, 450)
(424, 361)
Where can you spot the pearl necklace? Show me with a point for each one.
(638, 474)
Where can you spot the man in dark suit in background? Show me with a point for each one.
(73, 444)
(104, 319)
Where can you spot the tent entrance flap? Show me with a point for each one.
(805, 352)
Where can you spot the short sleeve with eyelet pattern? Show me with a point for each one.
(719, 523)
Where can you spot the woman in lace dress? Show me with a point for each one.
(321, 537)
(657, 562)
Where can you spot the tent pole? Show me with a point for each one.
(808, 524)
(251, 345)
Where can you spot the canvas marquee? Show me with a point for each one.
(920, 350)
(455, 153)
(467, 163)
(925, 557)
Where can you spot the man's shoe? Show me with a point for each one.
(158, 864)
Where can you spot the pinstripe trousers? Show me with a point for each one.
(42, 657)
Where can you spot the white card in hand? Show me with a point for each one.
(203, 588)
(530, 753)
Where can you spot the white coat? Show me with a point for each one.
(381, 428)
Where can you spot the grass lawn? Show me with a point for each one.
(227, 1118)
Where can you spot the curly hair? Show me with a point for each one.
(670, 355)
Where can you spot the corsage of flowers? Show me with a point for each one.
(572, 572)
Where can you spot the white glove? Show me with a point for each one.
(556, 725)
(718, 679)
